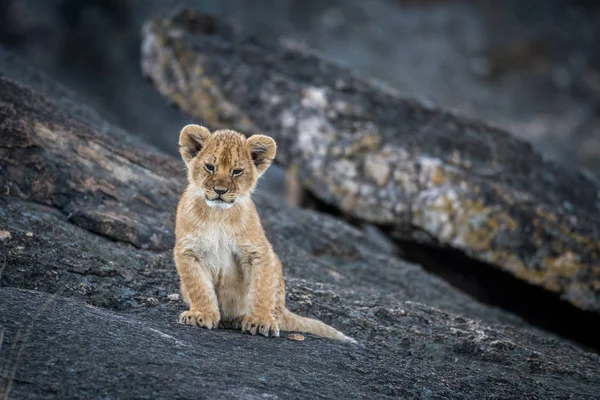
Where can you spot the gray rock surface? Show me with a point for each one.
(532, 67)
(60, 348)
(424, 174)
(87, 312)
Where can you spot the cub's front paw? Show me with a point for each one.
(207, 320)
(262, 324)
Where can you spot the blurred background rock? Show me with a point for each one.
(531, 67)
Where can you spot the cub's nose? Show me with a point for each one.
(220, 191)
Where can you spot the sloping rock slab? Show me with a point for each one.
(424, 174)
(59, 348)
(49, 156)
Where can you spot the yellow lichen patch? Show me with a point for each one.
(179, 100)
(159, 39)
(437, 217)
(567, 240)
(548, 216)
(537, 238)
(365, 144)
(566, 265)
(196, 93)
(551, 270)
(510, 262)
(477, 239)
(466, 223)
(482, 224)
(505, 196)
(203, 104)
(548, 275)
(509, 221)
(438, 177)
(577, 237)
(208, 102)
(539, 277)
(513, 263)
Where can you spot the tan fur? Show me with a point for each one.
(230, 275)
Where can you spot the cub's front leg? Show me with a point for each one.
(198, 291)
(258, 264)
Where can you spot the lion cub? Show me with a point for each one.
(230, 276)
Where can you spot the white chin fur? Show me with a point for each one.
(218, 204)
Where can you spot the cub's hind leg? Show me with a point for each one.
(258, 263)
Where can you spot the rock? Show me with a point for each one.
(152, 301)
(424, 174)
(76, 319)
(425, 354)
(73, 104)
(296, 337)
(102, 186)
(173, 296)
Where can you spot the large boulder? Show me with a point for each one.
(423, 174)
(88, 303)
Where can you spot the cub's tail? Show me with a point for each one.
(295, 322)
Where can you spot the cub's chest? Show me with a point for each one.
(215, 248)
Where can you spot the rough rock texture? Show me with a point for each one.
(49, 159)
(73, 104)
(532, 67)
(61, 348)
(424, 174)
(89, 313)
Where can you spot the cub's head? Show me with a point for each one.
(224, 166)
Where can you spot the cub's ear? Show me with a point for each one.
(192, 139)
(262, 149)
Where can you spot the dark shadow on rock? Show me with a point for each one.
(499, 289)
(492, 286)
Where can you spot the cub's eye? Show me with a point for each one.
(210, 168)
(236, 172)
